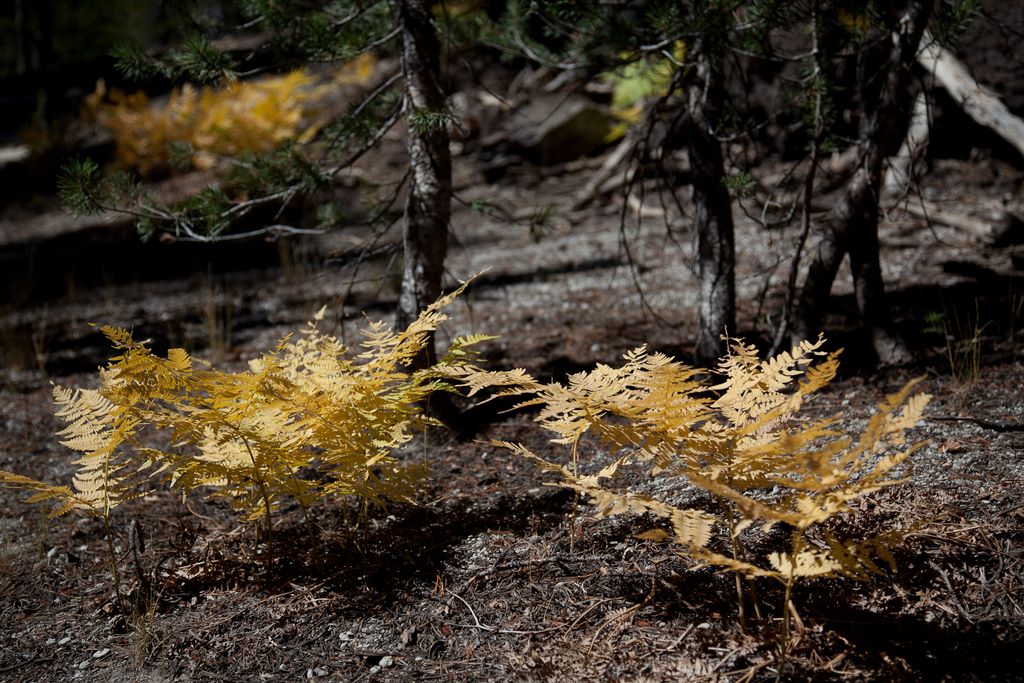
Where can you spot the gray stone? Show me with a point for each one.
(553, 129)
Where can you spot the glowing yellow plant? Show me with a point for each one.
(762, 466)
(638, 80)
(242, 117)
(305, 421)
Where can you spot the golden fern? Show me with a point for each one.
(63, 496)
(306, 420)
(745, 447)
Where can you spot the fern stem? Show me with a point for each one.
(309, 530)
(269, 522)
(112, 556)
(755, 599)
(267, 519)
(739, 598)
(784, 640)
(739, 579)
(575, 499)
(787, 603)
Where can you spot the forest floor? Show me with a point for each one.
(493, 576)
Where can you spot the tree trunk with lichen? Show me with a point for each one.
(428, 205)
(712, 213)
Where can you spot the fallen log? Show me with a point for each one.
(1001, 230)
(977, 101)
(933, 213)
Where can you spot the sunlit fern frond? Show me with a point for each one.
(461, 348)
(754, 387)
(89, 416)
(98, 428)
(62, 498)
(837, 557)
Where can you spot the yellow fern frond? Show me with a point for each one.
(806, 563)
(692, 528)
(62, 496)
(753, 388)
(178, 359)
(710, 558)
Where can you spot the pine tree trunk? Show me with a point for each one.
(712, 215)
(852, 226)
(907, 166)
(428, 206)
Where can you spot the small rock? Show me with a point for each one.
(375, 669)
(83, 664)
(387, 661)
(100, 654)
(320, 671)
(553, 129)
(64, 641)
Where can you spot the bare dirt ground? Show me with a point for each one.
(493, 577)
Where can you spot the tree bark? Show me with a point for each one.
(428, 205)
(905, 167)
(712, 213)
(852, 226)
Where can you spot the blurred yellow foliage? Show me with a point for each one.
(241, 117)
(358, 71)
(857, 23)
(637, 81)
